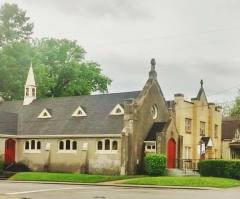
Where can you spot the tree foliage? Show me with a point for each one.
(235, 109)
(14, 24)
(59, 65)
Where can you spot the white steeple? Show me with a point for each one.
(30, 88)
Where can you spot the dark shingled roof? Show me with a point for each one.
(157, 127)
(8, 123)
(229, 128)
(97, 121)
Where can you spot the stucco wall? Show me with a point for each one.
(83, 161)
(197, 111)
(2, 148)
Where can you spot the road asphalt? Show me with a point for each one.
(28, 190)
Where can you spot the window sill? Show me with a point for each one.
(106, 152)
(67, 151)
(32, 151)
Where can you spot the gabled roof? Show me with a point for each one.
(229, 127)
(157, 127)
(98, 120)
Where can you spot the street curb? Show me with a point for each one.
(109, 184)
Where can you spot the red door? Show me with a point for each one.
(171, 153)
(9, 151)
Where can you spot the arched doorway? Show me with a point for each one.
(9, 151)
(171, 153)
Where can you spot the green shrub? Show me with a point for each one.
(155, 164)
(1, 166)
(220, 168)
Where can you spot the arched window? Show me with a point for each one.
(114, 145)
(68, 143)
(107, 144)
(74, 145)
(38, 145)
(27, 91)
(27, 145)
(61, 145)
(32, 144)
(99, 145)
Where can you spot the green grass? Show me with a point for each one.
(65, 177)
(185, 181)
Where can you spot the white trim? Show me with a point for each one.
(154, 111)
(42, 114)
(67, 151)
(117, 107)
(76, 114)
(31, 151)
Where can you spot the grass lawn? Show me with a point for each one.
(185, 181)
(65, 177)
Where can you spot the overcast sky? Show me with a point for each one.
(190, 40)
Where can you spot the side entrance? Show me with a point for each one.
(9, 151)
(171, 153)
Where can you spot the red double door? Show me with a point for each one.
(9, 151)
(171, 153)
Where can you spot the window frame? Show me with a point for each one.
(202, 133)
(216, 131)
(65, 145)
(104, 150)
(32, 146)
(188, 125)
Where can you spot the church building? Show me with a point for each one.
(107, 133)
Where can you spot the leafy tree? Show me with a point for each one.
(235, 109)
(63, 71)
(59, 66)
(14, 24)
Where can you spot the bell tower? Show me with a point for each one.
(30, 88)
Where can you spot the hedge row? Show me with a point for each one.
(155, 164)
(220, 168)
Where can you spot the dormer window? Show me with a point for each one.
(117, 110)
(45, 114)
(79, 112)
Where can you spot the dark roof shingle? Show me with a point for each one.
(97, 121)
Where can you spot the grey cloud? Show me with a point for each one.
(114, 9)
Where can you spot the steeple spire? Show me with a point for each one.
(201, 82)
(153, 73)
(30, 88)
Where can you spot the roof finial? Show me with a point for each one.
(153, 64)
(201, 82)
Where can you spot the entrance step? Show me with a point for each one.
(181, 172)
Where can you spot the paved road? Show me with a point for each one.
(59, 191)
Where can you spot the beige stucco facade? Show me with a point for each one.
(195, 112)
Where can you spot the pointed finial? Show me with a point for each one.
(201, 82)
(153, 73)
(153, 64)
